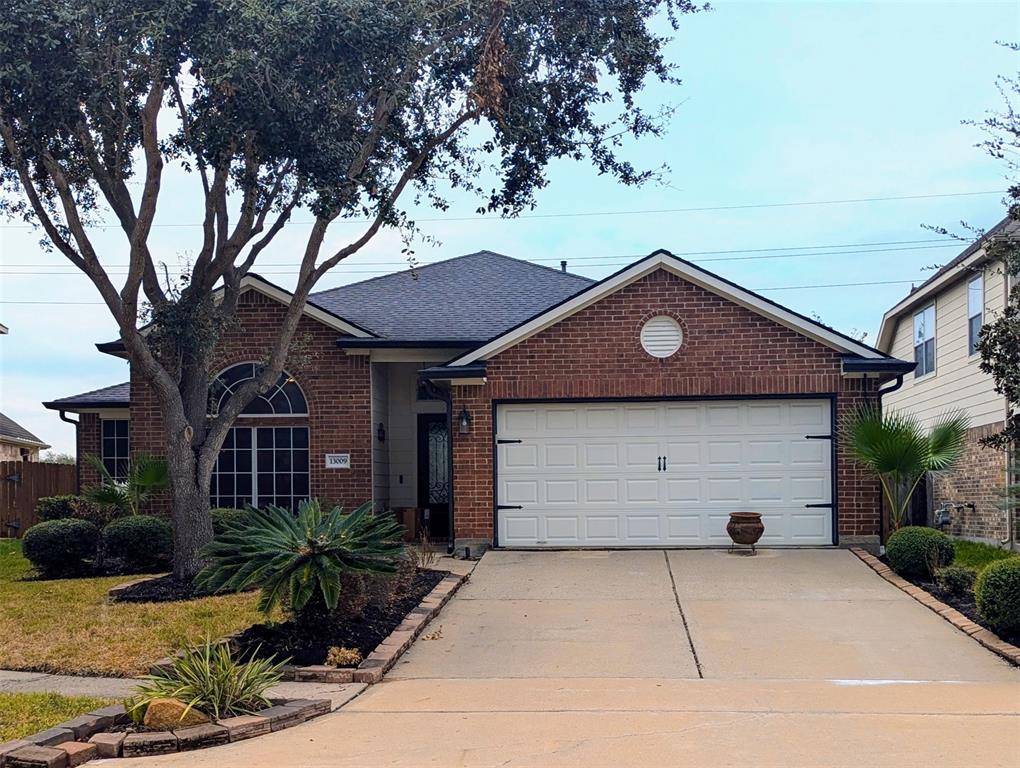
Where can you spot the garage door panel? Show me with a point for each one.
(588, 474)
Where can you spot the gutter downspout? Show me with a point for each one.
(77, 442)
(1010, 510)
(881, 393)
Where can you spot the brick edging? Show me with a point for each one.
(391, 648)
(385, 654)
(986, 637)
(87, 737)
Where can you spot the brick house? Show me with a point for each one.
(937, 325)
(504, 403)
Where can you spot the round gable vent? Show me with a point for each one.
(661, 336)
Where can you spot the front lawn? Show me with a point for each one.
(22, 714)
(973, 554)
(66, 626)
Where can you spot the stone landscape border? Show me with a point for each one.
(986, 637)
(385, 654)
(86, 737)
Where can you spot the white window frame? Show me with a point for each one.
(929, 337)
(218, 497)
(117, 462)
(972, 337)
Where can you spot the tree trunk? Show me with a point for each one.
(192, 523)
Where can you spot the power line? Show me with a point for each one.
(700, 209)
(119, 269)
(774, 288)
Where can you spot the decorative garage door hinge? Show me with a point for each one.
(818, 506)
(817, 437)
(509, 506)
(504, 442)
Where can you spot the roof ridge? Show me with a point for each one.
(423, 267)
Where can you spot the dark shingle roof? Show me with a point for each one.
(117, 395)
(11, 429)
(470, 298)
(1006, 226)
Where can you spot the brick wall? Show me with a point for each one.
(89, 440)
(596, 353)
(335, 385)
(975, 480)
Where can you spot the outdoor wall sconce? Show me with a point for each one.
(380, 433)
(465, 421)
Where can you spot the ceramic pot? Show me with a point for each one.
(745, 527)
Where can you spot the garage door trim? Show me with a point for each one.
(830, 397)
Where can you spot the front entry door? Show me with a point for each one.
(434, 474)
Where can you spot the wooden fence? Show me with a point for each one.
(21, 484)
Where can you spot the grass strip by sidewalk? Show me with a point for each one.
(22, 714)
(65, 626)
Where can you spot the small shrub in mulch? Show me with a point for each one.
(308, 644)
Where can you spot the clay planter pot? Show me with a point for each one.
(745, 528)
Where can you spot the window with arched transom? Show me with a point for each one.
(264, 458)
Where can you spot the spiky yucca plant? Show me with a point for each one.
(291, 557)
(208, 679)
(896, 449)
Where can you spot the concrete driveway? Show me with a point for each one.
(790, 658)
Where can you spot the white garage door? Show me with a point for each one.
(655, 473)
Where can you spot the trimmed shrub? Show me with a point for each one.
(997, 593)
(61, 547)
(222, 516)
(955, 580)
(71, 506)
(140, 543)
(918, 551)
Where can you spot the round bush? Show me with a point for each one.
(997, 593)
(140, 542)
(918, 551)
(955, 580)
(61, 547)
(69, 505)
(221, 516)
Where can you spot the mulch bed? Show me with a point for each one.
(965, 604)
(164, 589)
(285, 640)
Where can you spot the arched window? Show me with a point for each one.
(284, 398)
(265, 462)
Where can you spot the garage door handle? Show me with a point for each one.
(509, 506)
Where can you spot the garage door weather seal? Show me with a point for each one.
(687, 629)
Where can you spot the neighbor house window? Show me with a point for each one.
(114, 449)
(267, 463)
(924, 341)
(975, 311)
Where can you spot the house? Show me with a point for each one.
(937, 325)
(518, 405)
(17, 443)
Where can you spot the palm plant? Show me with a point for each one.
(896, 449)
(293, 557)
(145, 476)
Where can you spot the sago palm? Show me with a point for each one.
(290, 557)
(145, 476)
(896, 449)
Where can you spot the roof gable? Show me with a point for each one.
(709, 281)
(469, 298)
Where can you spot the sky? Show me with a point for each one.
(793, 102)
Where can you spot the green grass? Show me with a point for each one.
(22, 714)
(973, 554)
(66, 626)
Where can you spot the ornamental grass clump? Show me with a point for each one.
(207, 678)
(301, 561)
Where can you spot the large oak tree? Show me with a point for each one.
(343, 109)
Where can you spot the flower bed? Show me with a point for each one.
(106, 733)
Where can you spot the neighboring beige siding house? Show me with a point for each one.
(937, 326)
(17, 443)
